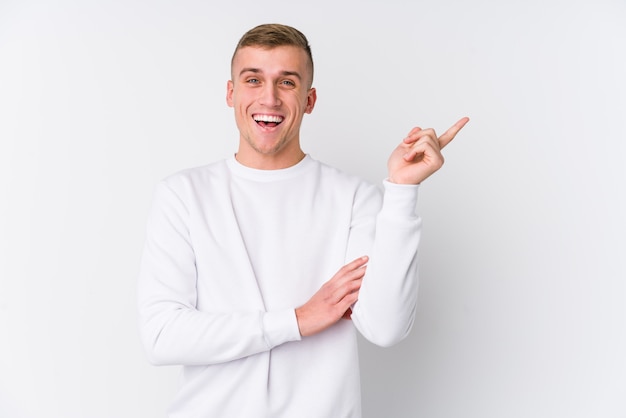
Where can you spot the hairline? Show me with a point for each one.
(309, 63)
(273, 35)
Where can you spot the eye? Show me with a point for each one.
(252, 81)
(288, 83)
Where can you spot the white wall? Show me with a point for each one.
(523, 298)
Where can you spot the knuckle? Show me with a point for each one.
(346, 288)
(349, 288)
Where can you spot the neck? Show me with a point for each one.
(269, 162)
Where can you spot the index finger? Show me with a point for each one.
(356, 263)
(449, 135)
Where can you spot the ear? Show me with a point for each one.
(311, 98)
(229, 93)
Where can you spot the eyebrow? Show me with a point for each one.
(258, 71)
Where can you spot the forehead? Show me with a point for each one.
(276, 59)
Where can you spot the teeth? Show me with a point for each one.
(268, 118)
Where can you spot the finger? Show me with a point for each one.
(346, 294)
(414, 131)
(419, 135)
(355, 264)
(412, 154)
(344, 278)
(426, 145)
(351, 276)
(349, 282)
(347, 314)
(451, 133)
(348, 300)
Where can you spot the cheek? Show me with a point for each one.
(239, 99)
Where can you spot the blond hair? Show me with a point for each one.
(273, 35)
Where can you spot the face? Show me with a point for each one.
(270, 94)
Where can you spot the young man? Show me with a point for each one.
(254, 265)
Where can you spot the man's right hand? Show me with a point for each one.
(332, 302)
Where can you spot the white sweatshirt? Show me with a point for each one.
(230, 253)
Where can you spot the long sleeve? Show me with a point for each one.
(172, 327)
(230, 253)
(385, 311)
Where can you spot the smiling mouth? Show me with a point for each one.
(267, 121)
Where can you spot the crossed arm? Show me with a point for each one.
(174, 332)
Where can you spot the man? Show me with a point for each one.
(253, 265)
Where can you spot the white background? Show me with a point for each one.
(523, 298)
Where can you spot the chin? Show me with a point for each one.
(268, 148)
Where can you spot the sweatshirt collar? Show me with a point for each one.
(240, 170)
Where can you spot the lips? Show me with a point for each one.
(267, 120)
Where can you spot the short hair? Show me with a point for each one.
(273, 35)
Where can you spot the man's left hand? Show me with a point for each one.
(419, 154)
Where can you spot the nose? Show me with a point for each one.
(269, 96)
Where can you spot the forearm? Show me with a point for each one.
(176, 335)
(385, 310)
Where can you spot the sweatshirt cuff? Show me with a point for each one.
(280, 327)
(400, 198)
